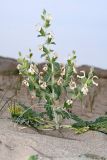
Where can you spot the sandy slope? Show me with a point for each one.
(17, 143)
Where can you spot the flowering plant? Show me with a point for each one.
(54, 78)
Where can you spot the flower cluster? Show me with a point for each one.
(87, 82)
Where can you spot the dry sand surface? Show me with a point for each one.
(17, 143)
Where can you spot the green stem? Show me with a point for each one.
(53, 99)
(53, 80)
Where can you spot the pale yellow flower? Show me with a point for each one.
(69, 101)
(94, 77)
(30, 70)
(45, 68)
(48, 17)
(72, 85)
(40, 81)
(84, 90)
(50, 36)
(33, 69)
(43, 85)
(81, 76)
(55, 55)
(40, 47)
(59, 82)
(24, 82)
(19, 66)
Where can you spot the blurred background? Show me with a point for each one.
(78, 25)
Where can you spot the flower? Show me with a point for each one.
(33, 69)
(62, 70)
(69, 102)
(50, 36)
(45, 68)
(48, 17)
(43, 85)
(84, 90)
(30, 70)
(81, 76)
(94, 77)
(19, 66)
(55, 55)
(40, 73)
(59, 82)
(24, 82)
(40, 48)
(40, 81)
(72, 85)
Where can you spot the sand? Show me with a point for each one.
(18, 143)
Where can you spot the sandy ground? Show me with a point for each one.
(17, 143)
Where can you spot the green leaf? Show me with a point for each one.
(42, 32)
(67, 106)
(56, 67)
(20, 54)
(43, 55)
(20, 60)
(30, 55)
(63, 113)
(43, 18)
(38, 93)
(49, 110)
(31, 86)
(49, 40)
(57, 90)
(44, 12)
(80, 130)
(89, 82)
(45, 50)
(33, 157)
(53, 43)
(47, 76)
(47, 23)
